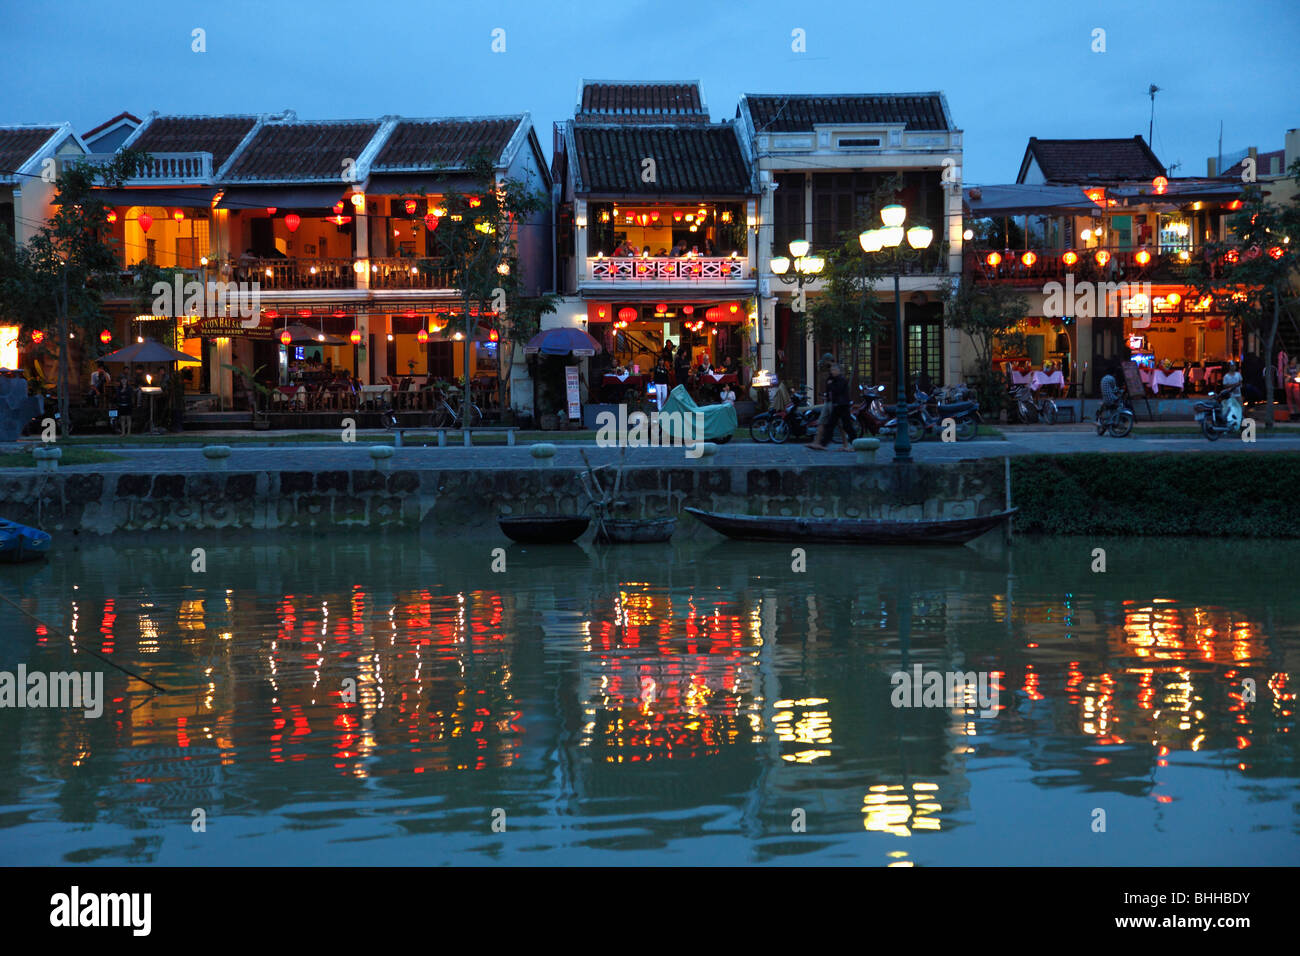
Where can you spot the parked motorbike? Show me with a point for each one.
(869, 410)
(1217, 414)
(1031, 409)
(796, 420)
(1118, 420)
(926, 416)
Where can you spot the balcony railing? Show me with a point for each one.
(1050, 265)
(306, 274)
(646, 268)
(165, 168)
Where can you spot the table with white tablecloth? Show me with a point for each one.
(1039, 379)
(1170, 380)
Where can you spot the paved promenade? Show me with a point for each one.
(324, 456)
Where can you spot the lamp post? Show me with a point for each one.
(806, 269)
(889, 240)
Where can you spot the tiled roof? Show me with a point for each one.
(689, 161)
(218, 135)
(131, 117)
(644, 102)
(301, 151)
(1263, 165)
(448, 144)
(1092, 160)
(796, 112)
(18, 144)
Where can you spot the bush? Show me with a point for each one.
(1227, 494)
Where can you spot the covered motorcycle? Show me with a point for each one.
(718, 421)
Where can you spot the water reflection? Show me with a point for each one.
(690, 700)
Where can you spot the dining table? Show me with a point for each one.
(1040, 378)
(1172, 380)
(724, 378)
(1019, 378)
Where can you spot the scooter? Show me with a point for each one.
(869, 410)
(1119, 420)
(797, 419)
(1218, 415)
(927, 417)
(1030, 410)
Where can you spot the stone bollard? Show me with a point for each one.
(866, 449)
(382, 456)
(217, 456)
(701, 452)
(47, 457)
(543, 453)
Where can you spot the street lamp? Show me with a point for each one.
(889, 241)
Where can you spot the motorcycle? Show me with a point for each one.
(797, 419)
(1118, 420)
(1030, 410)
(1217, 415)
(869, 410)
(927, 415)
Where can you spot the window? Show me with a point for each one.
(874, 141)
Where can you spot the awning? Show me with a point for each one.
(284, 197)
(184, 196)
(992, 201)
(646, 293)
(410, 184)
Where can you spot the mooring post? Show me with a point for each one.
(1006, 470)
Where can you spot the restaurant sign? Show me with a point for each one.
(230, 326)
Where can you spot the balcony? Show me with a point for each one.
(300, 274)
(1050, 265)
(165, 168)
(617, 269)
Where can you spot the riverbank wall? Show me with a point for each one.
(110, 503)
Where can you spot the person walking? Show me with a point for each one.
(838, 388)
(819, 442)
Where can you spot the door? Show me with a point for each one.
(1106, 334)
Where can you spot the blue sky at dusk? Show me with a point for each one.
(1010, 69)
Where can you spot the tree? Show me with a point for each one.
(985, 313)
(58, 278)
(1254, 275)
(478, 240)
(846, 309)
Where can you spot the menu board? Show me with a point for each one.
(571, 386)
(1132, 381)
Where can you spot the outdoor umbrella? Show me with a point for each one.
(562, 342)
(300, 334)
(149, 352)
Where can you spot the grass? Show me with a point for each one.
(71, 456)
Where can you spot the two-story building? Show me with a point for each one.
(657, 212)
(333, 223)
(1106, 248)
(821, 161)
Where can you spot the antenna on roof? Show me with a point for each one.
(1151, 125)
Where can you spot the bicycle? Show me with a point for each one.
(446, 412)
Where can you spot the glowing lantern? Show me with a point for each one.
(734, 307)
(38, 337)
(106, 336)
(714, 314)
(359, 201)
(600, 313)
(493, 336)
(411, 206)
(1029, 258)
(1096, 195)
(677, 217)
(627, 315)
(1173, 298)
(111, 217)
(688, 310)
(654, 216)
(1235, 205)
(1070, 257)
(1275, 252)
(1231, 255)
(355, 336)
(145, 220)
(1160, 184)
(432, 222)
(661, 307)
(475, 202)
(338, 208)
(1214, 324)
(1103, 257)
(178, 215)
(993, 259)
(285, 337)
(1142, 257)
(271, 210)
(422, 336)
(292, 221)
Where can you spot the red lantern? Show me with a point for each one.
(106, 336)
(432, 222)
(285, 337)
(993, 259)
(270, 210)
(688, 310)
(145, 220)
(1231, 255)
(1235, 205)
(37, 337)
(338, 208)
(178, 215)
(111, 217)
(627, 315)
(661, 307)
(355, 336)
(411, 206)
(1275, 252)
(292, 221)
(1029, 258)
(714, 314)
(1103, 257)
(600, 312)
(422, 336)
(1214, 324)
(654, 216)
(1142, 257)
(1070, 257)
(475, 202)
(1160, 184)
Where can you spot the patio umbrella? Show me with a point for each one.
(562, 342)
(300, 334)
(149, 352)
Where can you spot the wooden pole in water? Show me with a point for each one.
(1006, 466)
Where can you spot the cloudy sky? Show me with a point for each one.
(1010, 69)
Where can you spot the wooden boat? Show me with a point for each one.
(852, 530)
(634, 530)
(21, 543)
(543, 529)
